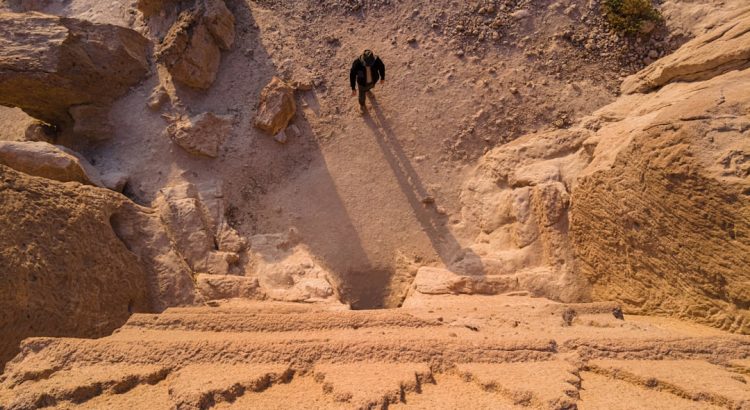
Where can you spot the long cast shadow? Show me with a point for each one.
(443, 241)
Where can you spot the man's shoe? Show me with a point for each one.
(362, 109)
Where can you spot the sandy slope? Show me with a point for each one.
(461, 79)
(351, 186)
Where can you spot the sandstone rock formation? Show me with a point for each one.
(66, 71)
(45, 160)
(65, 272)
(216, 287)
(276, 107)
(436, 352)
(192, 227)
(286, 271)
(716, 52)
(646, 200)
(78, 260)
(202, 134)
(518, 200)
(191, 50)
(661, 224)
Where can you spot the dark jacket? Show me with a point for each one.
(358, 74)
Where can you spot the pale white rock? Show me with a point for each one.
(187, 222)
(287, 271)
(202, 134)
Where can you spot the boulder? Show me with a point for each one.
(220, 22)
(191, 50)
(228, 240)
(276, 108)
(190, 53)
(202, 134)
(45, 160)
(49, 65)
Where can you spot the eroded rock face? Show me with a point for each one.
(54, 68)
(65, 271)
(276, 108)
(519, 200)
(78, 260)
(664, 226)
(215, 287)
(646, 202)
(202, 134)
(191, 50)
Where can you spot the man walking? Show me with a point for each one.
(366, 70)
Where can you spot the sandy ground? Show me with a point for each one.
(461, 79)
(354, 186)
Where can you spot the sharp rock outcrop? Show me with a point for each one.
(191, 50)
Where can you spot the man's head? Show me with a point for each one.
(368, 57)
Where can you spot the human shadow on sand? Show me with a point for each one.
(425, 208)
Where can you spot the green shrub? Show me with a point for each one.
(631, 16)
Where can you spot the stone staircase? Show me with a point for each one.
(436, 352)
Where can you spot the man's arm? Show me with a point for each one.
(353, 76)
(381, 69)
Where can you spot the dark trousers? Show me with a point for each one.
(362, 90)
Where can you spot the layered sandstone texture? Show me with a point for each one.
(66, 71)
(68, 267)
(509, 352)
(646, 202)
